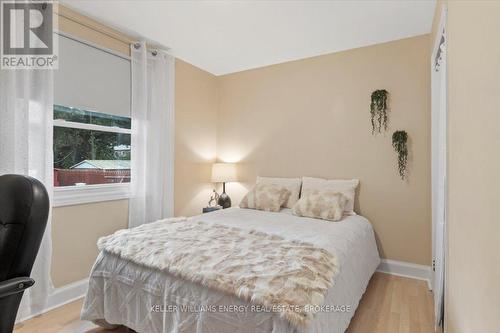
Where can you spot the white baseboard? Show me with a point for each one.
(406, 269)
(61, 296)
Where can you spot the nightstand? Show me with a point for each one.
(211, 209)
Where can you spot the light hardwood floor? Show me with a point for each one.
(390, 305)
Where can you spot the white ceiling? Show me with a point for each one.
(228, 36)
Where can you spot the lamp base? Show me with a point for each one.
(224, 200)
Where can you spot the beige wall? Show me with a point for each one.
(195, 137)
(75, 229)
(311, 117)
(472, 291)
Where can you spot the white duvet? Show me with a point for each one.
(150, 301)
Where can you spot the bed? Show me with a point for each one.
(152, 301)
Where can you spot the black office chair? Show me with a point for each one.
(24, 209)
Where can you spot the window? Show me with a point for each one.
(90, 148)
(92, 125)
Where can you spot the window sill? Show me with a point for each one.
(77, 195)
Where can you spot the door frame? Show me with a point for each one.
(439, 130)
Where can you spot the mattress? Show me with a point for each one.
(151, 301)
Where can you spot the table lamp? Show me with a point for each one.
(224, 173)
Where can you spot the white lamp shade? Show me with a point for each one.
(223, 172)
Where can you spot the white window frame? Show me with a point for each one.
(91, 127)
(77, 195)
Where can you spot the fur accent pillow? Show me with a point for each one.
(268, 197)
(291, 184)
(347, 187)
(325, 205)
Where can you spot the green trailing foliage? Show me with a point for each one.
(378, 110)
(400, 144)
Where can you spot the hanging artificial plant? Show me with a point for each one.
(399, 142)
(378, 110)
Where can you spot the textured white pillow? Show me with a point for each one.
(291, 184)
(268, 197)
(346, 187)
(326, 205)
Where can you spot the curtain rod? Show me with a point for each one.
(154, 52)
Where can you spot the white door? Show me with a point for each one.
(439, 194)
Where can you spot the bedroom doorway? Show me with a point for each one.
(439, 90)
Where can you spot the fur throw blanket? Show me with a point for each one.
(289, 277)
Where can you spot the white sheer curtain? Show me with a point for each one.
(26, 108)
(152, 155)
